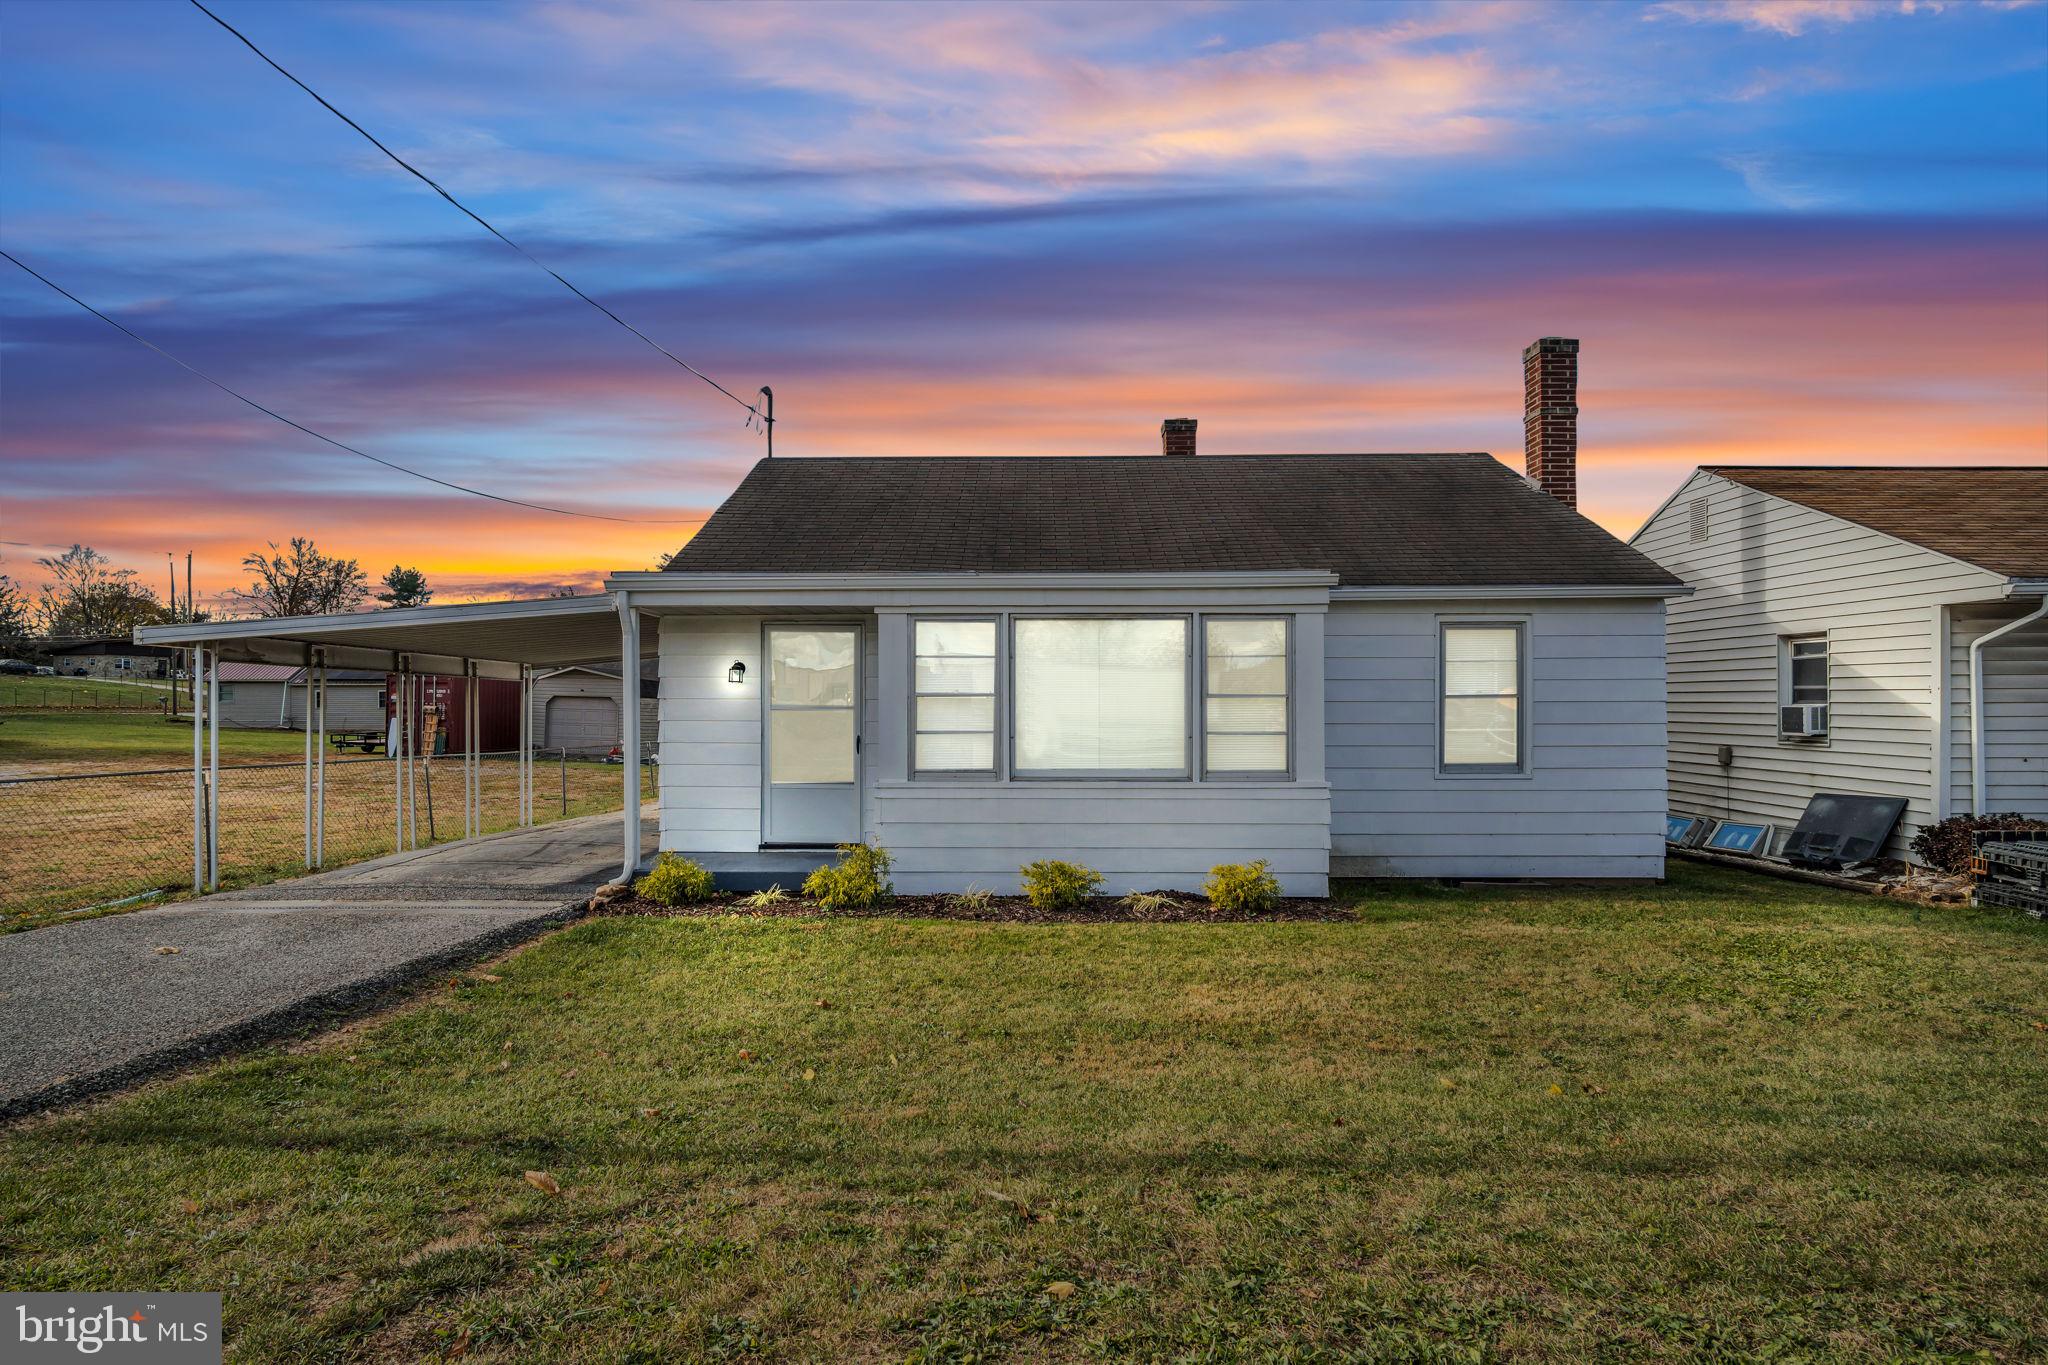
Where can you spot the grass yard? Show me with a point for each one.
(107, 741)
(81, 692)
(77, 843)
(1726, 1118)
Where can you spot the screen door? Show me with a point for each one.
(813, 698)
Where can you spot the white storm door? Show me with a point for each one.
(812, 730)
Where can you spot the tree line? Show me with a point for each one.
(85, 595)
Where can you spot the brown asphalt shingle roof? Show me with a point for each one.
(1422, 520)
(1993, 516)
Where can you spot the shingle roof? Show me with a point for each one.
(1407, 520)
(1993, 516)
(238, 672)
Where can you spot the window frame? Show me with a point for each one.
(999, 752)
(1184, 773)
(1284, 773)
(1522, 766)
(1785, 687)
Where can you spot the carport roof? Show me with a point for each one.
(550, 632)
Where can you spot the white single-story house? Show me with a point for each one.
(257, 696)
(1403, 665)
(1874, 631)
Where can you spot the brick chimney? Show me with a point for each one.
(1550, 416)
(1177, 436)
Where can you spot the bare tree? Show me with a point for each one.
(301, 581)
(14, 612)
(87, 595)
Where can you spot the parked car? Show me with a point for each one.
(45, 671)
(16, 667)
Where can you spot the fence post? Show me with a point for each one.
(565, 780)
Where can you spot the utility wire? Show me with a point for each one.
(429, 182)
(267, 412)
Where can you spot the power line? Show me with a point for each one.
(297, 426)
(478, 218)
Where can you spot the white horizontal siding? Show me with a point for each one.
(1769, 568)
(2015, 711)
(1140, 836)
(710, 734)
(1592, 803)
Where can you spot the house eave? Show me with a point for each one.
(1398, 592)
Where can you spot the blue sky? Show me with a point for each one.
(1803, 231)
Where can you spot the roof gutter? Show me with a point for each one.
(1977, 700)
(1499, 591)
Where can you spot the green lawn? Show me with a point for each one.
(76, 692)
(1729, 1118)
(109, 740)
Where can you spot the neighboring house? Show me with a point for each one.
(256, 696)
(118, 659)
(1389, 665)
(578, 708)
(1828, 643)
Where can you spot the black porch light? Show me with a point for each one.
(737, 673)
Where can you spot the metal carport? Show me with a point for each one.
(505, 640)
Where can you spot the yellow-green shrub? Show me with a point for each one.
(856, 882)
(676, 880)
(1050, 884)
(1243, 888)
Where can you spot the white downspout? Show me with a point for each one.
(1977, 701)
(629, 730)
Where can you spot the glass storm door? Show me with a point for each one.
(812, 794)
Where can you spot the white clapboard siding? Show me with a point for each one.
(1770, 568)
(711, 732)
(2015, 711)
(1592, 803)
(1141, 836)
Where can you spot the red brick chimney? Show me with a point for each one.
(1177, 436)
(1550, 416)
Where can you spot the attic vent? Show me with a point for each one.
(1698, 512)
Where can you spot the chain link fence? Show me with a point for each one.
(79, 843)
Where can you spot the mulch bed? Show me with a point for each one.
(1184, 909)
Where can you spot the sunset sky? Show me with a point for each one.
(1809, 231)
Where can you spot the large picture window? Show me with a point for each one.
(954, 708)
(1480, 712)
(1100, 696)
(1244, 703)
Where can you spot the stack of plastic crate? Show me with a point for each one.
(2012, 871)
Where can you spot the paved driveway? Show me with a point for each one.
(92, 1005)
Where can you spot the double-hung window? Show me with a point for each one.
(1803, 687)
(1244, 702)
(1100, 696)
(1481, 725)
(954, 710)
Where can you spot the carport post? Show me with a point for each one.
(307, 776)
(629, 729)
(396, 741)
(196, 665)
(525, 745)
(320, 761)
(213, 775)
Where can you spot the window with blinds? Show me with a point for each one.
(1480, 719)
(953, 721)
(1244, 701)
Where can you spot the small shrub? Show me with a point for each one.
(675, 880)
(1947, 844)
(1145, 904)
(761, 900)
(858, 881)
(1050, 884)
(1242, 888)
(978, 899)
